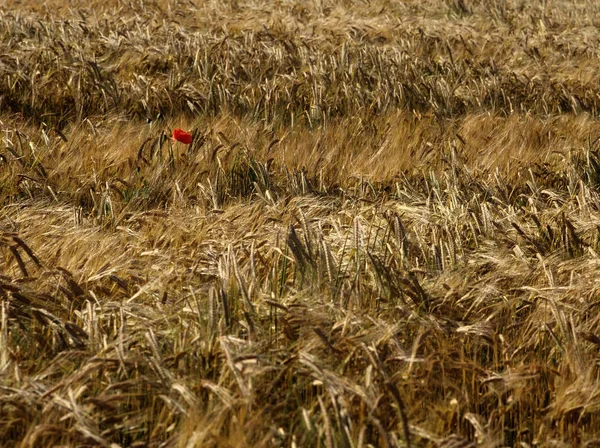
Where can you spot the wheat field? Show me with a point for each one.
(384, 233)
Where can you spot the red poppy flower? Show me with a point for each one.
(181, 136)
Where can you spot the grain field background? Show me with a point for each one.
(385, 232)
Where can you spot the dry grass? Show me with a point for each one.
(384, 233)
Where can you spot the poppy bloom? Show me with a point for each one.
(181, 136)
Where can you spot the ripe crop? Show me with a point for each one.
(374, 223)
